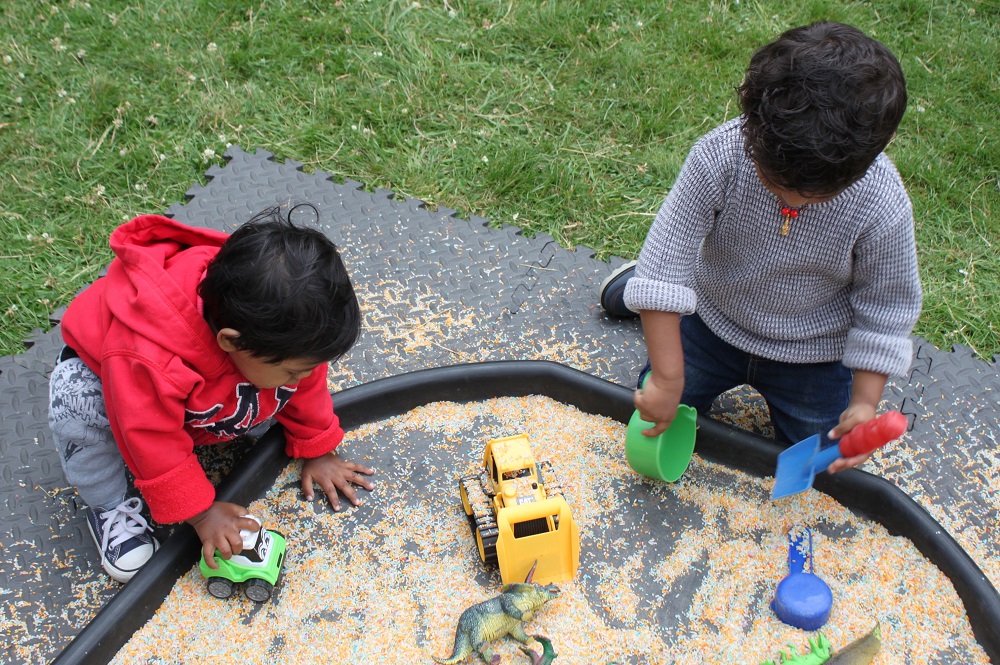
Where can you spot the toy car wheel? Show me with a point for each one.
(220, 587)
(257, 590)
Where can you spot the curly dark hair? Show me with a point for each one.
(285, 289)
(819, 104)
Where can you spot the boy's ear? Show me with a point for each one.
(225, 338)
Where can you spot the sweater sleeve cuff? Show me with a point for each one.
(641, 293)
(178, 494)
(874, 352)
(316, 446)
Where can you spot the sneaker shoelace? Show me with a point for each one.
(122, 523)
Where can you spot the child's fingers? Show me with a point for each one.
(209, 552)
(247, 523)
(355, 477)
(360, 468)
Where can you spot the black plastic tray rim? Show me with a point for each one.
(865, 494)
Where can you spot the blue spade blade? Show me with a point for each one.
(798, 466)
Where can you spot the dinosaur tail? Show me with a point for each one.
(463, 647)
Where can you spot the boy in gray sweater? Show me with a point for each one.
(784, 255)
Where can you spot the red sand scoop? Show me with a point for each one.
(798, 465)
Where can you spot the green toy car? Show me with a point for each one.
(257, 567)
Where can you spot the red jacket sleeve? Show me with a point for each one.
(146, 411)
(312, 429)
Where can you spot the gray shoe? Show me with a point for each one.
(613, 291)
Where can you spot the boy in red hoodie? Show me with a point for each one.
(196, 337)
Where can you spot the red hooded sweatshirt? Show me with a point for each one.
(168, 386)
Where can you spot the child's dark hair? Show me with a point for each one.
(285, 289)
(819, 104)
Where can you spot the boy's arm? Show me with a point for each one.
(657, 400)
(866, 393)
(146, 412)
(885, 295)
(312, 429)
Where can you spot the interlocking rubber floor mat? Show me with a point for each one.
(438, 290)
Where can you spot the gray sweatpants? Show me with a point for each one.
(87, 449)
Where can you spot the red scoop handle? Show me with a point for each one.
(873, 434)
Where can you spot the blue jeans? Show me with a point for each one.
(803, 398)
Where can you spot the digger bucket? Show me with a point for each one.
(542, 531)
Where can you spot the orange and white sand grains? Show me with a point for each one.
(670, 573)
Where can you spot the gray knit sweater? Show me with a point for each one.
(842, 285)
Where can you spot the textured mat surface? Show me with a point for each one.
(439, 290)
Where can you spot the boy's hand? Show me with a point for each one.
(854, 415)
(657, 401)
(219, 529)
(332, 473)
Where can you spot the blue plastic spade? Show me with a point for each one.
(802, 599)
(797, 466)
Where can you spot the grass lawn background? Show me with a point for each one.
(570, 118)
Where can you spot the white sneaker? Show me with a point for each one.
(124, 538)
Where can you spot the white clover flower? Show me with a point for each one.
(117, 122)
(486, 160)
(212, 47)
(207, 154)
(123, 152)
(71, 100)
(7, 60)
(57, 44)
(61, 93)
(18, 100)
(152, 119)
(81, 54)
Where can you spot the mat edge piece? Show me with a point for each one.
(871, 496)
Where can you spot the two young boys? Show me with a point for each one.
(783, 257)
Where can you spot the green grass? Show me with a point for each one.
(569, 118)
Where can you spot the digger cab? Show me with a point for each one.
(512, 471)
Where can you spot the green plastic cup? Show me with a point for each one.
(664, 457)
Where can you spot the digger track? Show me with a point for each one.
(482, 521)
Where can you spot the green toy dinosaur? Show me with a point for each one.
(819, 652)
(859, 652)
(492, 619)
(548, 653)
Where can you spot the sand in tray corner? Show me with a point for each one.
(670, 573)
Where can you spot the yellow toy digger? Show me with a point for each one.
(519, 516)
